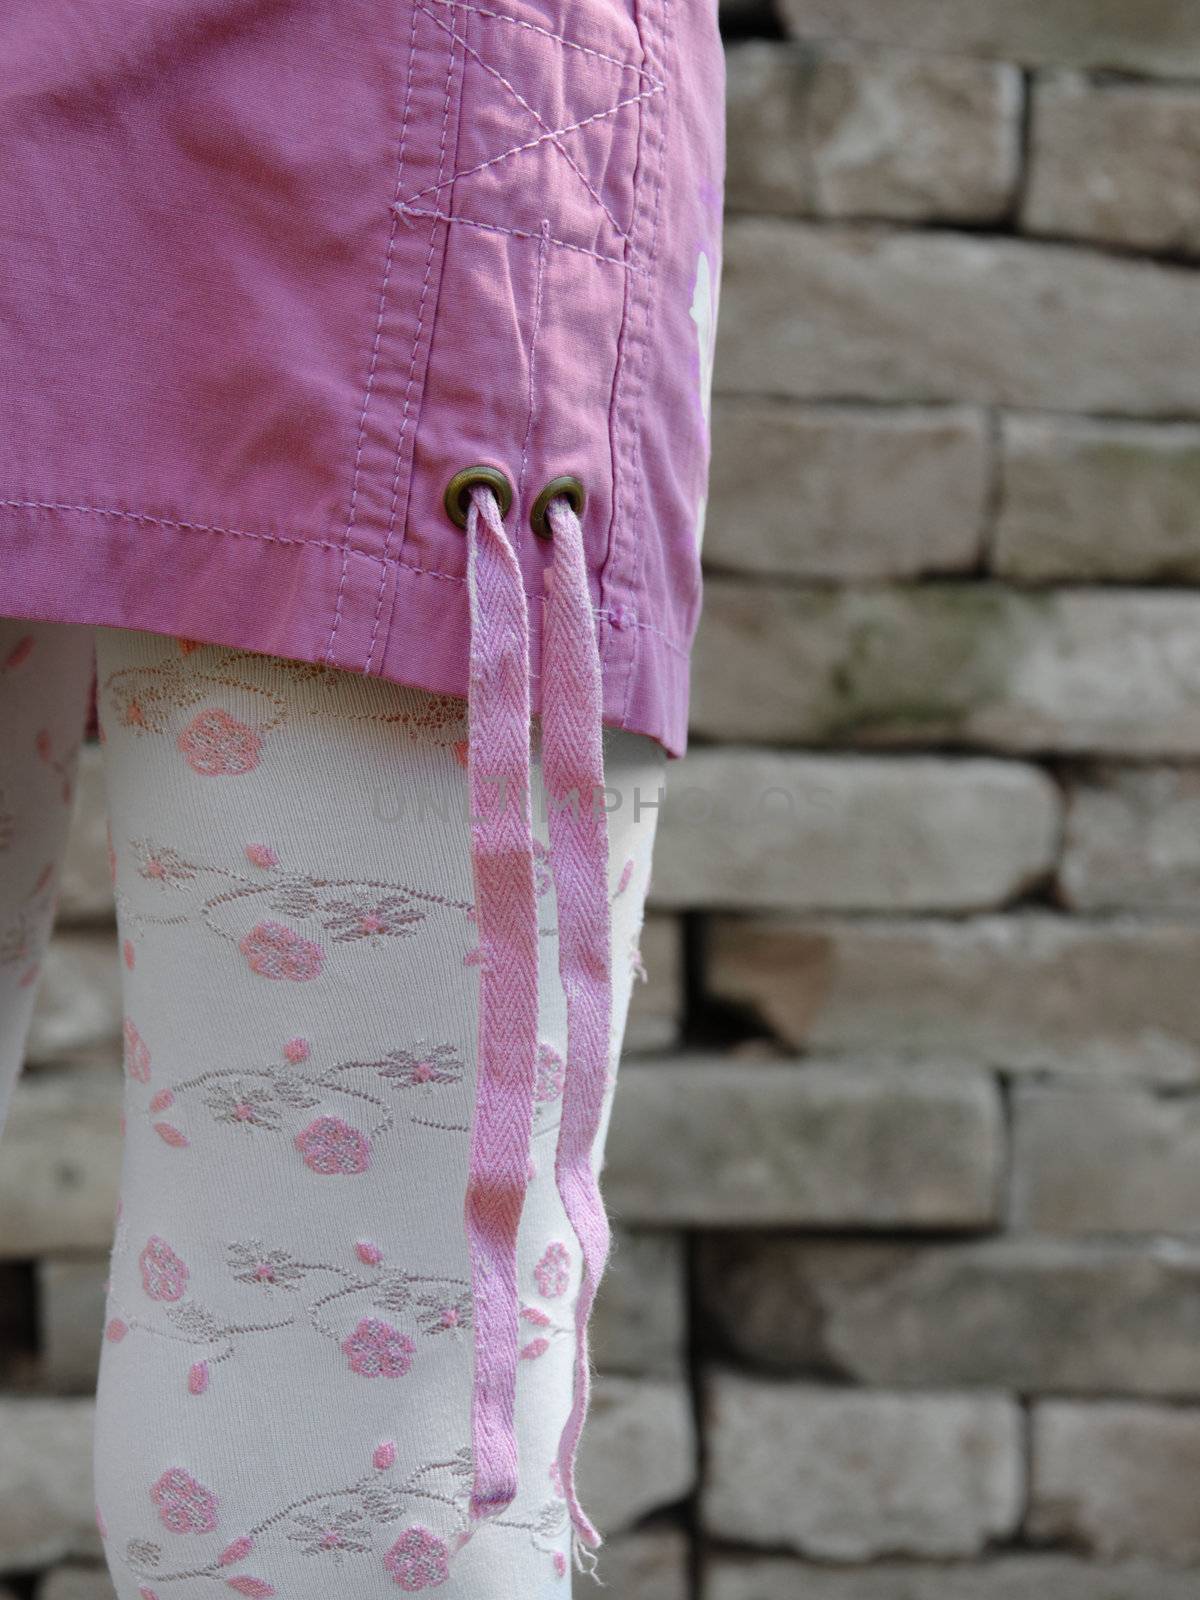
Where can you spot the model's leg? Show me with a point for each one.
(285, 1388)
(45, 675)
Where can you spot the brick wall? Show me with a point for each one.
(906, 1158)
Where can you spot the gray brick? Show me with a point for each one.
(751, 829)
(1117, 1479)
(46, 1507)
(78, 1013)
(1009, 1578)
(1095, 500)
(843, 132)
(638, 1453)
(1116, 164)
(76, 1583)
(86, 887)
(847, 492)
(60, 1165)
(1028, 992)
(71, 1319)
(1139, 35)
(1133, 840)
(845, 1475)
(723, 1142)
(638, 1322)
(925, 316)
(651, 1564)
(1113, 1161)
(656, 1006)
(1032, 1315)
(978, 665)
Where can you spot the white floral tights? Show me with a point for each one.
(284, 1400)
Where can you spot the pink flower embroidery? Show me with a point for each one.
(162, 1100)
(393, 916)
(385, 1455)
(439, 1313)
(198, 1377)
(551, 1074)
(217, 745)
(127, 953)
(137, 1056)
(116, 1330)
(418, 1560)
(237, 1551)
(368, 1253)
(274, 951)
(240, 1102)
(268, 1269)
(164, 1275)
(256, 1588)
(170, 1134)
(331, 1532)
(377, 1350)
(261, 855)
(184, 1506)
(296, 1051)
(553, 1270)
(330, 1145)
(158, 863)
(423, 1065)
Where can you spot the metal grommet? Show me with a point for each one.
(458, 492)
(570, 489)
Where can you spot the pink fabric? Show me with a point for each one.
(506, 909)
(573, 775)
(506, 913)
(274, 270)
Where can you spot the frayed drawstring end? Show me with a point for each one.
(586, 1560)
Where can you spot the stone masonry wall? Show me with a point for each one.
(906, 1157)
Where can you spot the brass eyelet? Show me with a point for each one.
(570, 489)
(458, 492)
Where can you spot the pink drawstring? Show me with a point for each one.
(573, 774)
(506, 911)
(506, 915)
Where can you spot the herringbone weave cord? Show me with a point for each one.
(573, 774)
(506, 913)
